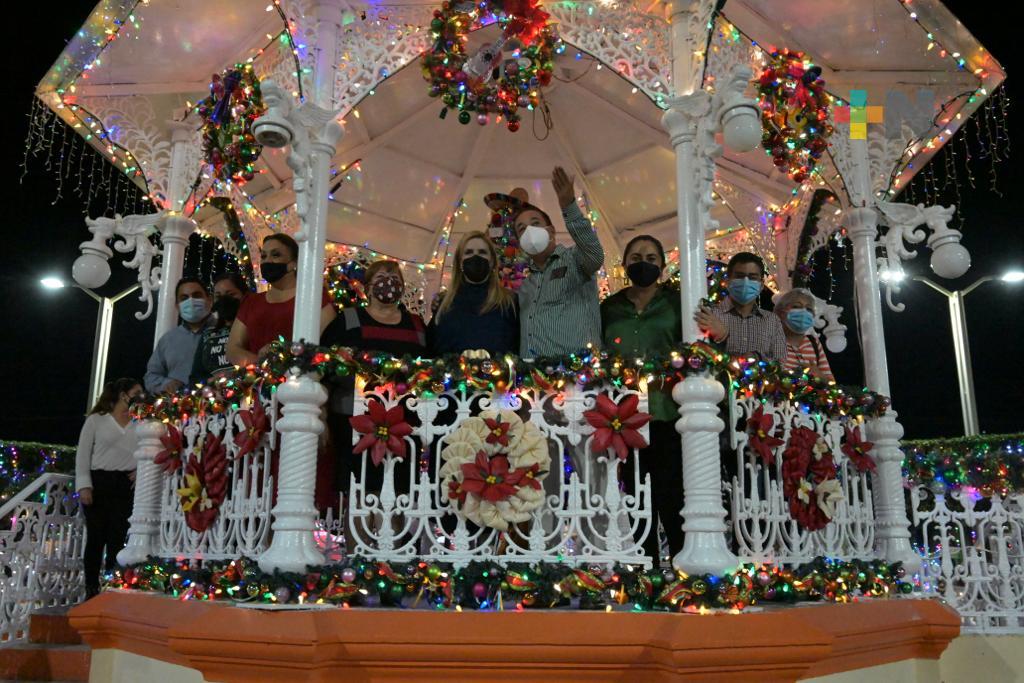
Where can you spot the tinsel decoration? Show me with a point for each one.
(432, 376)
(501, 77)
(227, 115)
(986, 465)
(794, 112)
(22, 461)
(488, 586)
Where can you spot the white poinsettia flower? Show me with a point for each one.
(828, 493)
(804, 492)
(820, 448)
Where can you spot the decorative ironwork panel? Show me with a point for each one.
(759, 515)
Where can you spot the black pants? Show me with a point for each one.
(663, 460)
(106, 523)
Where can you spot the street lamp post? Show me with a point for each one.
(961, 346)
(101, 342)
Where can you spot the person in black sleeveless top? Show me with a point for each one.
(383, 326)
(477, 312)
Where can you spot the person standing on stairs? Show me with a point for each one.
(105, 475)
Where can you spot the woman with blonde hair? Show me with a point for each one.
(476, 312)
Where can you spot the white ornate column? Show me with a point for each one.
(704, 548)
(145, 519)
(892, 527)
(174, 232)
(292, 546)
(313, 134)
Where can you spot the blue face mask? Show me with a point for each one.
(193, 310)
(743, 291)
(800, 320)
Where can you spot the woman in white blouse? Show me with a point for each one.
(104, 476)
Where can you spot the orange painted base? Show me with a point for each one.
(230, 644)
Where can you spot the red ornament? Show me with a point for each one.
(383, 430)
(617, 425)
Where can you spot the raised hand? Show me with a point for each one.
(563, 184)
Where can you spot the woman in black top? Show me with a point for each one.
(212, 353)
(383, 326)
(477, 312)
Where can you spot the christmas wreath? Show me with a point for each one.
(206, 485)
(809, 480)
(229, 145)
(501, 77)
(794, 113)
(493, 468)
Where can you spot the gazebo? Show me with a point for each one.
(655, 108)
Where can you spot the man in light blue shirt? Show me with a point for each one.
(169, 366)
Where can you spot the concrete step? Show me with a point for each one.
(45, 662)
(51, 626)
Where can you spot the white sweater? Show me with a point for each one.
(103, 445)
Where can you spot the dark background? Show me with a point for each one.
(48, 335)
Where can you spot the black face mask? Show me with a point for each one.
(272, 272)
(226, 309)
(643, 273)
(477, 269)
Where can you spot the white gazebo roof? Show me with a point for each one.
(415, 170)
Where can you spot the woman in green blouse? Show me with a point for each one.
(645, 319)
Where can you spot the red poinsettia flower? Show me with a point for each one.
(857, 450)
(257, 424)
(528, 477)
(456, 492)
(759, 426)
(490, 478)
(174, 445)
(383, 430)
(498, 430)
(617, 425)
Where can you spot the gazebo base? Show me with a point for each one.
(147, 637)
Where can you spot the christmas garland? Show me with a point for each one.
(794, 113)
(992, 464)
(489, 586)
(427, 376)
(22, 461)
(227, 115)
(490, 82)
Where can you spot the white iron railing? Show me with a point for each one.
(585, 517)
(41, 553)
(759, 515)
(974, 555)
(242, 527)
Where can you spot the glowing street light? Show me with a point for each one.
(101, 342)
(52, 282)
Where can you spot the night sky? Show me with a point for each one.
(48, 340)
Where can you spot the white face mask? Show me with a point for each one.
(534, 240)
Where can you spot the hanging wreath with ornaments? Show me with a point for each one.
(501, 77)
(227, 115)
(205, 485)
(493, 468)
(794, 113)
(809, 480)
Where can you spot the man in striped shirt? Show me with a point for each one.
(558, 307)
(738, 321)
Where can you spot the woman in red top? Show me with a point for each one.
(264, 317)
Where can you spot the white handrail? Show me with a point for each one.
(27, 492)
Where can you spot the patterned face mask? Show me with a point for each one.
(387, 289)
